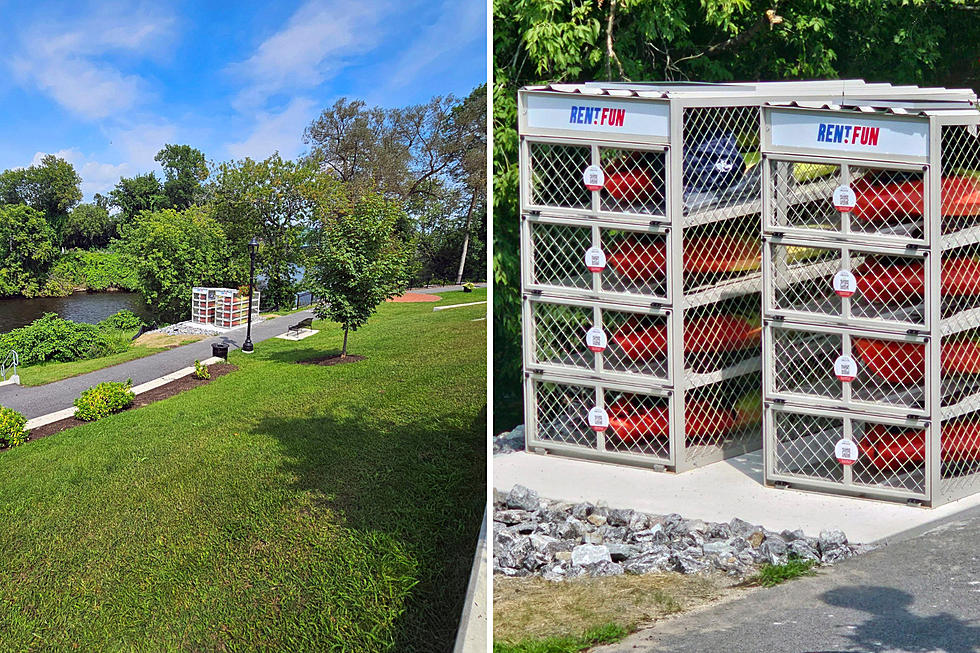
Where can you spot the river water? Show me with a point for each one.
(79, 307)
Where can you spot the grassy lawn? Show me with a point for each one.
(282, 507)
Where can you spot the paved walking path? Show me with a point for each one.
(44, 399)
(918, 595)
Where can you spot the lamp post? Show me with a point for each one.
(253, 248)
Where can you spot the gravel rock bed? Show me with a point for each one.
(189, 328)
(559, 540)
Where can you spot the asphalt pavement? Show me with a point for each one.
(916, 595)
(41, 400)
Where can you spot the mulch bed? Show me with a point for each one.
(334, 359)
(156, 394)
(415, 297)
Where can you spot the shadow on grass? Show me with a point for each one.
(421, 483)
(299, 355)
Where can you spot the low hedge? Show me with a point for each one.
(12, 431)
(104, 400)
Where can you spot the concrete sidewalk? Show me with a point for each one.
(717, 493)
(41, 400)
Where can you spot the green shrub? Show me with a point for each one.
(124, 320)
(201, 371)
(12, 430)
(51, 338)
(104, 400)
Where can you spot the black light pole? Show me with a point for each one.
(253, 248)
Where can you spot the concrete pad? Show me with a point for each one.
(717, 492)
(298, 335)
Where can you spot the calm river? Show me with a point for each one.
(80, 307)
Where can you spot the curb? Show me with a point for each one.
(472, 634)
(57, 416)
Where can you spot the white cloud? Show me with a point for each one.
(65, 61)
(139, 143)
(435, 47)
(313, 45)
(282, 132)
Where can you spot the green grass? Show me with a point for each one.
(606, 634)
(771, 575)
(49, 372)
(281, 507)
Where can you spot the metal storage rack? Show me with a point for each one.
(203, 305)
(232, 308)
(224, 308)
(871, 301)
(640, 230)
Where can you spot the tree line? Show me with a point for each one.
(424, 164)
(930, 42)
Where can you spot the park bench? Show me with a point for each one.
(302, 324)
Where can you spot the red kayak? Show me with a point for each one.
(903, 197)
(881, 282)
(714, 333)
(889, 451)
(904, 362)
(631, 186)
(632, 424)
(643, 261)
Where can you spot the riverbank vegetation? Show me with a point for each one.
(162, 235)
(53, 339)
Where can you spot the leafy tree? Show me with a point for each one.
(357, 262)
(359, 146)
(89, 226)
(275, 201)
(468, 130)
(133, 195)
(27, 248)
(184, 170)
(172, 251)
(51, 187)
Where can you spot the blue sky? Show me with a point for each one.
(106, 85)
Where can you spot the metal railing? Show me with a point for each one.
(9, 362)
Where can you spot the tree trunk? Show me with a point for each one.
(466, 239)
(343, 352)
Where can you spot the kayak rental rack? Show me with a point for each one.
(642, 223)
(871, 298)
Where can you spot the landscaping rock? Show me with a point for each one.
(590, 554)
(606, 569)
(619, 551)
(523, 498)
(509, 442)
(560, 540)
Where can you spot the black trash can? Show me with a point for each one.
(220, 350)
